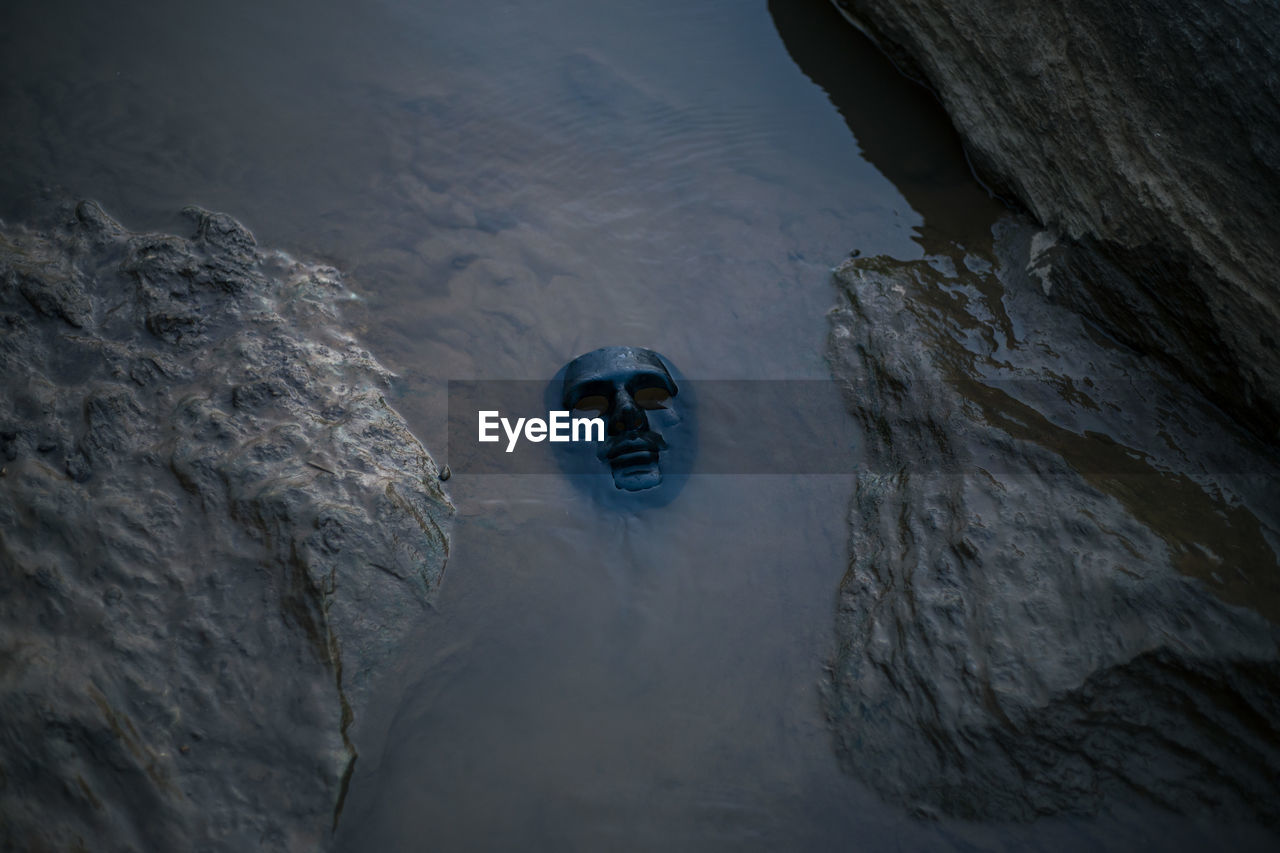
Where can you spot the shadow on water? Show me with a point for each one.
(899, 125)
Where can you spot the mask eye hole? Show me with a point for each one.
(652, 398)
(594, 405)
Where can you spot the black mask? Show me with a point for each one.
(632, 390)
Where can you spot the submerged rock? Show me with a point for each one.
(1063, 589)
(213, 528)
(1146, 138)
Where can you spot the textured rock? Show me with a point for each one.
(1146, 137)
(1063, 589)
(212, 530)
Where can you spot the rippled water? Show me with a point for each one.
(509, 185)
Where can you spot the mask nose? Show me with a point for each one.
(626, 416)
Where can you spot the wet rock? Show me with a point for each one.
(1063, 589)
(213, 529)
(1145, 137)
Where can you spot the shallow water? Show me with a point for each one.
(509, 185)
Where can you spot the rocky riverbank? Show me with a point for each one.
(212, 529)
(1146, 139)
(1063, 589)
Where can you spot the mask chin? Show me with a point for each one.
(637, 478)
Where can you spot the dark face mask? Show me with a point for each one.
(632, 390)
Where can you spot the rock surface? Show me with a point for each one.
(1146, 137)
(212, 530)
(1063, 590)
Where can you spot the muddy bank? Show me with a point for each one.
(212, 528)
(1062, 591)
(1145, 139)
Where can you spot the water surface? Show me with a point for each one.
(508, 185)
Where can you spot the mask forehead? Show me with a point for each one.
(615, 365)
